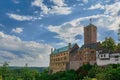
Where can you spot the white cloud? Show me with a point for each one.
(1, 25)
(85, 1)
(21, 52)
(116, 0)
(59, 2)
(59, 8)
(111, 19)
(112, 9)
(16, 1)
(19, 17)
(67, 31)
(97, 6)
(109, 22)
(39, 3)
(17, 30)
(7, 55)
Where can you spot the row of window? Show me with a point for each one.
(57, 55)
(58, 64)
(58, 59)
(87, 52)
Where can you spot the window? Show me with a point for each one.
(80, 59)
(101, 55)
(116, 58)
(104, 55)
(87, 29)
(65, 58)
(92, 51)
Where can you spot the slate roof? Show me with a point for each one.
(107, 51)
(63, 49)
(91, 46)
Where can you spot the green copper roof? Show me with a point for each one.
(63, 49)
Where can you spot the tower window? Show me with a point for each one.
(92, 51)
(87, 29)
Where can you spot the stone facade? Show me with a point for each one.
(90, 34)
(58, 62)
(87, 55)
(61, 61)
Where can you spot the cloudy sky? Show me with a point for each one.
(30, 28)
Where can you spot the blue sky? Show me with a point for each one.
(30, 28)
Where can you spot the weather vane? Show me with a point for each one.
(90, 21)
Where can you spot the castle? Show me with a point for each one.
(72, 56)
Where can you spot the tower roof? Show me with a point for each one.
(91, 25)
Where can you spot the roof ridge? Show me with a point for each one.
(62, 49)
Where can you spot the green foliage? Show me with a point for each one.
(86, 78)
(64, 75)
(111, 72)
(5, 72)
(85, 72)
(93, 71)
(118, 46)
(108, 44)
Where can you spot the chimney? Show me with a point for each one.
(69, 45)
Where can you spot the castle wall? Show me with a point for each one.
(58, 62)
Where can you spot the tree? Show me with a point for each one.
(5, 71)
(108, 44)
(83, 71)
(92, 72)
(110, 72)
(118, 46)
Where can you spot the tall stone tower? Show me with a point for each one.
(90, 34)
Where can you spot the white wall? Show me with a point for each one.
(105, 61)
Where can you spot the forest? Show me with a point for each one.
(85, 72)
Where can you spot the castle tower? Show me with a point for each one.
(90, 34)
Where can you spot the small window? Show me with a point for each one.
(116, 58)
(92, 51)
(104, 55)
(65, 58)
(80, 59)
(87, 29)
